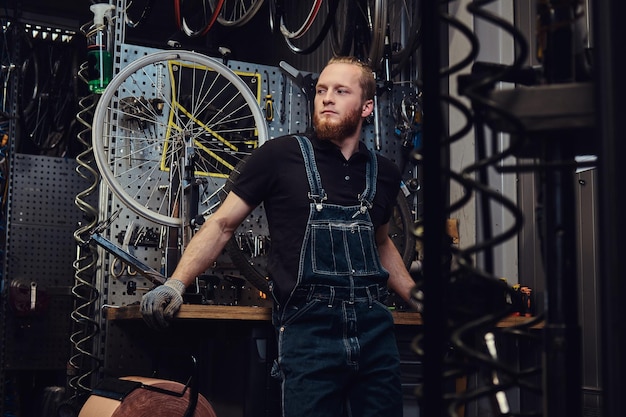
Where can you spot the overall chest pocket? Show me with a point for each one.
(344, 248)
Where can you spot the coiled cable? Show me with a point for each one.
(475, 299)
(83, 362)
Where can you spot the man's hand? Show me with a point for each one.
(159, 305)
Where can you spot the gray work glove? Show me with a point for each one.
(159, 305)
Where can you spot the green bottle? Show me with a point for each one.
(99, 62)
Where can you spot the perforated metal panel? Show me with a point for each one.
(115, 278)
(290, 116)
(40, 251)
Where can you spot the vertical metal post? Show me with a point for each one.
(435, 185)
(609, 32)
(12, 94)
(562, 342)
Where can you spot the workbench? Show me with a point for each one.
(251, 313)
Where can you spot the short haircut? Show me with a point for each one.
(367, 79)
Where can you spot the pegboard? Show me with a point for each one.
(40, 250)
(116, 280)
(290, 115)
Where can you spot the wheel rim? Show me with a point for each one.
(237, 13)
(146, 131)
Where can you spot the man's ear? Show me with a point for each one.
(368, 108)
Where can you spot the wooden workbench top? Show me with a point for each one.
(222, 312)
(249, 313)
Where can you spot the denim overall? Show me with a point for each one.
(337, 353)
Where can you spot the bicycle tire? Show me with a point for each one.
(48, 93)
(369, 33)
(342, 29)
(305, 45)
(293, 14)
(401, 230)
(161, 112)
(207, 18)
(135, 19)
(275, 11)
(405, 33)
(236, 13)
(376, 18)
(360, 29)
(29, 81)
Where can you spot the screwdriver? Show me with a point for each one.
(269, 104)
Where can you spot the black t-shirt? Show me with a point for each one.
(275, 175)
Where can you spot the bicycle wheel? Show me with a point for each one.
(316, 33)
(48, 96)
(172, 120)
(342, 29)
(196, 17)
(404, 31)
(297, 17)
(137, 12)
(237, 13)
(371, 26)
(401, 230)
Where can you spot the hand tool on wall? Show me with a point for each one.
(269, 104)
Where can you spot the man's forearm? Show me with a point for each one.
(207, 244)
(400, 280)
(202, 251)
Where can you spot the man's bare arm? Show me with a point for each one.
(400, 280)
(207, 244)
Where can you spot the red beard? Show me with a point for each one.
(329, 130)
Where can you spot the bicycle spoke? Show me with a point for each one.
(404, 31)
(374, 17)
(237, 13)
(165, 114)
(342, 30)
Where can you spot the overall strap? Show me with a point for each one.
(316, 193)
(367, 197)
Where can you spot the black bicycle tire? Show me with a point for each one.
(274, 15)
(133, 22)
(377, 33)
(241, 20)
(414, 41)
(404, 237)
(192, 32)
(306, 24)
(342, 29)
(321, 35)
(47, 113)
(27, 103)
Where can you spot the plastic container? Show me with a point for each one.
(99, 61)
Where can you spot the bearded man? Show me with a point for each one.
(328, 201)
